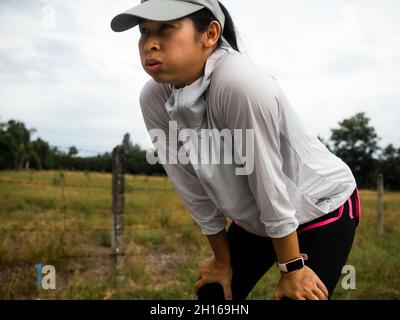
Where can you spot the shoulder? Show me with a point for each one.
(238, 70)
(153, 92)
(152, 101)
(237, 80)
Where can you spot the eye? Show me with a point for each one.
(143, 30)
(165, 26)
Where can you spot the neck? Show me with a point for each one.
(199, 72)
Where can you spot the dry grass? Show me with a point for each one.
(68, 225)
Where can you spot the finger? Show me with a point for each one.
(227, 292)
(322, 287)
(320, 294)
(198, 284)
(298, 297)
(278, 295)
(311, 296)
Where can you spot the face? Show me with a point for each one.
(177, 49)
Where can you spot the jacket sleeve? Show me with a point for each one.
(246, 100)
(182, 176)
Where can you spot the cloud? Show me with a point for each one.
(66, 73)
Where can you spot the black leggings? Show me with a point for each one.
(326, 244)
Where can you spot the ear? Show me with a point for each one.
(212, 34)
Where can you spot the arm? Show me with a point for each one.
(300, 284)
(182, 176)
(218, 267)
(209, 218)
(286, 248)
(247, 99)
(220, 246)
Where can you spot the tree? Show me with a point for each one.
(45, 154)
(130, 149)
(356, 143)
(22, 137)
(16, 145)
(8, 150)
(136, 162)
(73, 151)
(3, 126)
(389, 166)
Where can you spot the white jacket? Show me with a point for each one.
(295, 177)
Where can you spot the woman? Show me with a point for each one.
(292, 201)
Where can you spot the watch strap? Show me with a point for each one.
(294, 264)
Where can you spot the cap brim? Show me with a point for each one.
(157, 10)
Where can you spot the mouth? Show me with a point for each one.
(153, 65)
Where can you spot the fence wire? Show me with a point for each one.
(69, 234)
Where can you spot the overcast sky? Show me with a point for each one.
(64, 72)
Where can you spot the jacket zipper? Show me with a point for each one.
(214, 189)
(201, 175)
(180, 125)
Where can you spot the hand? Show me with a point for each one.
(302, 284)
(213, 271)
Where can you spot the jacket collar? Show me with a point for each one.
(187, 105)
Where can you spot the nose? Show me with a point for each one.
(151, 44)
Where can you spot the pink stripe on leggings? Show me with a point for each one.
(323, 223)
(350, 208)
(358, 206)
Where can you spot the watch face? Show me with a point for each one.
(294, 265)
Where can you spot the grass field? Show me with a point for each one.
(64, 219)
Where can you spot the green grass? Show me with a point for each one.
(64, 219)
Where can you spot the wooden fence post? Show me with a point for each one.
(379, 204)
(118, 204)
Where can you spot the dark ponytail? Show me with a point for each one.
(204, 17)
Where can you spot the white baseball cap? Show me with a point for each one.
(164, 10)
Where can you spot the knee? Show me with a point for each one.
(211, 291)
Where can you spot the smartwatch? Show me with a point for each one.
(293, 265)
